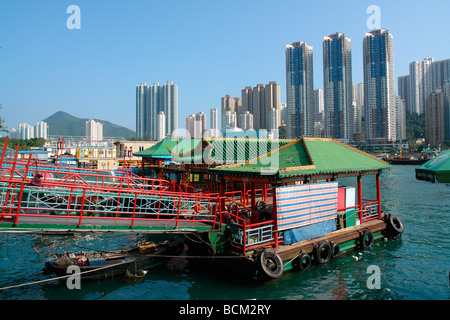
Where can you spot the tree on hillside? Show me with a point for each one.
(2, 128)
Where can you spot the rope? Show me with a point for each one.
(117, 264)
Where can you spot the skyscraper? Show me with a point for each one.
(214, 123)
(300, 90)
(246, 121)
(150, 100)
(379, 86)
(338, 87)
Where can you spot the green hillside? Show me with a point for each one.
(63, 124)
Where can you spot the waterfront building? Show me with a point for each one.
(94, 132)
(150, 100)
(379, 86)
(299, 90)
(160, 126)
(338, 87)
(434, 117)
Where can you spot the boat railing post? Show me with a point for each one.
(19, 203)
(82, 207)
(134, 210)
(178, 211)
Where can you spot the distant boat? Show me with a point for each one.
(96, 265)
(410, 161)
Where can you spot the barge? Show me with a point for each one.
(270, 206)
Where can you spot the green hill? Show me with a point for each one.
(63, 124)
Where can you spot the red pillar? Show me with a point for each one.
(275, 216)
(378, 194)
(360, 196)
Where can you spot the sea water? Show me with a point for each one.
(414, 267)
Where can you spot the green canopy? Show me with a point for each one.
(436, 169)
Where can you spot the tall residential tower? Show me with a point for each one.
(299, 90)
(379, 86)
(150, 101)
(338, 87)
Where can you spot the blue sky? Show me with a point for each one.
(209, 48)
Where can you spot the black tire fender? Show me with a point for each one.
(335, 249)
(271, 264)
(395, 225)
(302, 262)
(366, 239)
(322, 252)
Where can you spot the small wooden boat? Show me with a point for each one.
(96, 265)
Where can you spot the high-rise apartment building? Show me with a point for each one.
(246, 121)
(338, 87)
(200, 119)
(434, 117)
(299, 90)
(358, 102)
(424, 77)
(191, 126)
(259, 101)
(234, 105)
(94, 132)
(196, 125)
(229, 120)
(379, 86)
(401, 118)
(404, 90)
(150, 100)
(41, 130)
(160, 126)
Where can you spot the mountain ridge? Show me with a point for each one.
(64, 124)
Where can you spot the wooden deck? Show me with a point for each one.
(288, 252)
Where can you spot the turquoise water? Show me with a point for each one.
(413, 267)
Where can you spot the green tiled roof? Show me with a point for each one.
(159, 150)
(224, 150)
(308, 156)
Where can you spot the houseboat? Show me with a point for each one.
(275, 205)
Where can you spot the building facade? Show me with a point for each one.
(338, 87)
(150, 100)
(299, 90)
(379, 86)
(94, 132)
(434, 117)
